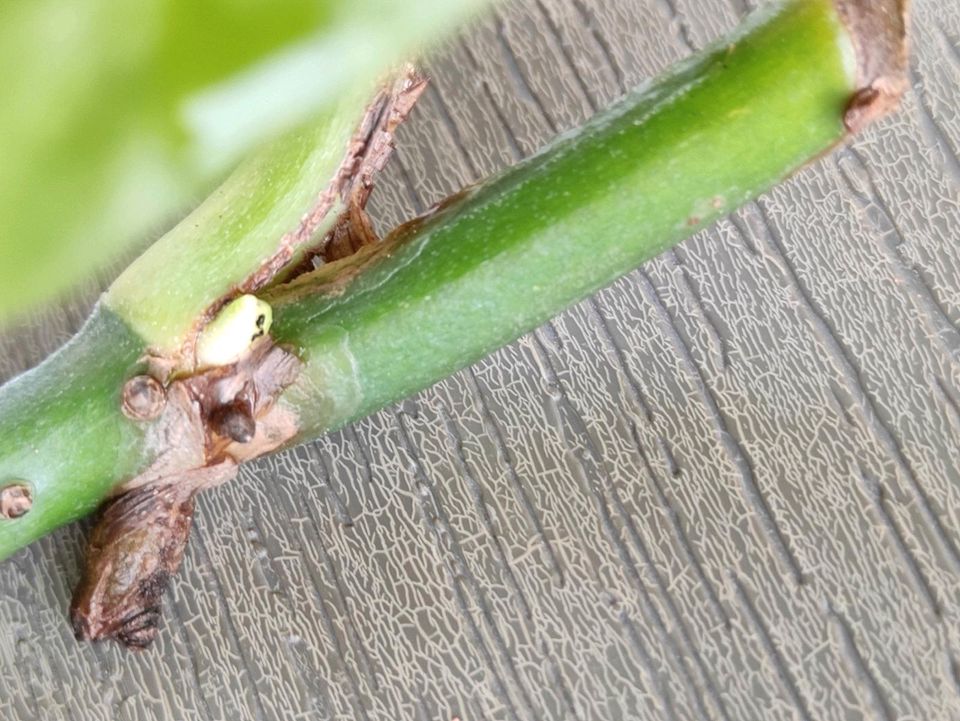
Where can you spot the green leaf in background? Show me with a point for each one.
(115, 116)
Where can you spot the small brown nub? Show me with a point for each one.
(143, 398)
(878, 30)
(15, 500)
(865, 106)
(234, 420)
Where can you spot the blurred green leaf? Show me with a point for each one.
(114, 116)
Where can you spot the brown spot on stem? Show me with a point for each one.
(15, 500)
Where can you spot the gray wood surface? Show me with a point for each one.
(725, 488)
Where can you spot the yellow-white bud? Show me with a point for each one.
(228, 336)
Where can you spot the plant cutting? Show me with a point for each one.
(236, 335)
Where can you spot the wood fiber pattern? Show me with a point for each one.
(727, 487)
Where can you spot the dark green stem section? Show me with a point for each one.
(492, 264)
(511, 253)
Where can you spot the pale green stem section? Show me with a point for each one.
(213, 250)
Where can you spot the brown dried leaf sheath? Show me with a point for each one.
(879, 31)
(135, 548)
(208, 423)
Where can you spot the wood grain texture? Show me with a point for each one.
(727, 487)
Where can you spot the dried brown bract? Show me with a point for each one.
(136, 546)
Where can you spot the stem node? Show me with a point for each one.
(143, 398)
(15, 500)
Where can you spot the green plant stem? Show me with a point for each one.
(62, 432)
(161, 298)
(493, 263)
(513, 252)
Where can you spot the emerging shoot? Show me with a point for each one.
(228, 336)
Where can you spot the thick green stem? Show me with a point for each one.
(62, 431)
(509, 254)
(491, 264)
